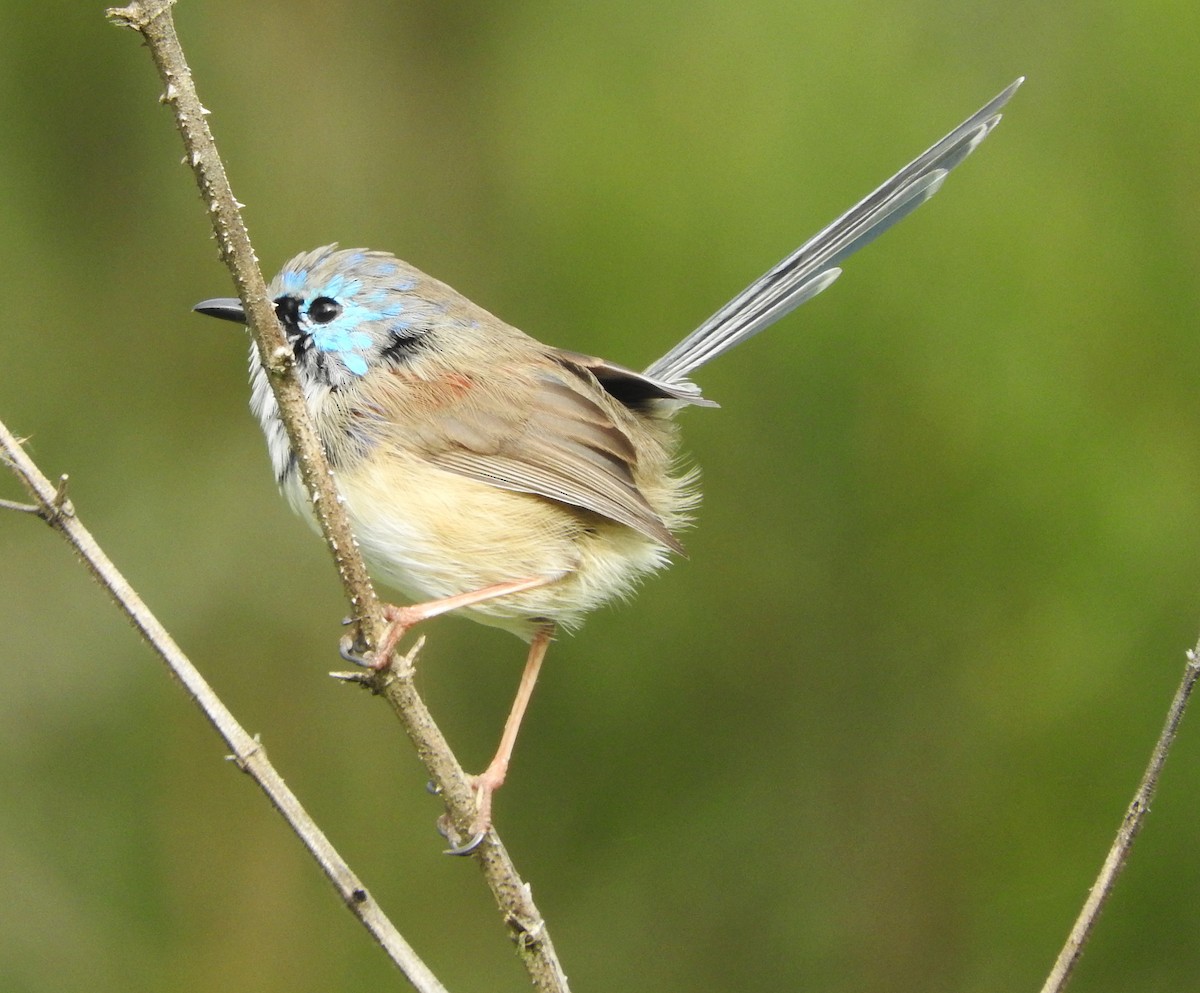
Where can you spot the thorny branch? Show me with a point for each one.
(52, 506)
(152, 20)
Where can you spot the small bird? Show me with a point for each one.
(487, 473)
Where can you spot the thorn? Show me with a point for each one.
(60, 495)
(405, 665)
(241, 761)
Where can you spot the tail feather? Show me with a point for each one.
(814, 265)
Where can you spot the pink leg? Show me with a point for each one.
(490, 780)
(402, 618)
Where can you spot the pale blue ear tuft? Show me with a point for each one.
(345, 344)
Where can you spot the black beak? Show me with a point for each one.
(226, 308)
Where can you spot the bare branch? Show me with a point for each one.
(246, 751)
(1118, 854)
(152, 19)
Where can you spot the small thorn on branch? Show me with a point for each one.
(60, 503)
(362, 678)
(123, 17)
(242, 761)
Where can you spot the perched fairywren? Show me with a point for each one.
(486, 472)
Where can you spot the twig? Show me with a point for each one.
(1130, 825)
(152, 19)
(247, 752)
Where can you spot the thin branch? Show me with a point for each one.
(152, 19)
(1118, 854)
(247, 752)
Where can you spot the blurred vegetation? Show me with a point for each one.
(873, 736)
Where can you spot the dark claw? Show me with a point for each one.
(446, 830)
(346, 651)
(469, 847)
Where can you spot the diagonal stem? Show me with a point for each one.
(247, 752)
(152, 20)
(1118, 854)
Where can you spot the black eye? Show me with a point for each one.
(323, 310)
(287, 309)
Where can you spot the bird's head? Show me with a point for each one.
(346, 312)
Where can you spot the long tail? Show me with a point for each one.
(814, 265)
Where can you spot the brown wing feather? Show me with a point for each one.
(557, 442)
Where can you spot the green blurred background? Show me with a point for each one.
(875, 735)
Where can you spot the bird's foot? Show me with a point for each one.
(399, 619)
(484, 785)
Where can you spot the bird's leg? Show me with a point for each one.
(490, 780)
(402, 618)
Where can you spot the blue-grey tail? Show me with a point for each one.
(814, 265)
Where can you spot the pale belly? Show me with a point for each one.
(431, 533)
